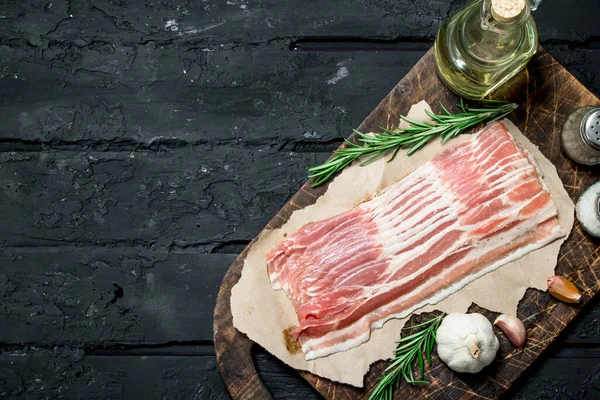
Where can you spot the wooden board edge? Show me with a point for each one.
(229, 341)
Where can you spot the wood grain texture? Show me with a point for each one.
(547, 93)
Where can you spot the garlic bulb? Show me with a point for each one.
(466, 342)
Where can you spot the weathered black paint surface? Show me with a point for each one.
(144, 143)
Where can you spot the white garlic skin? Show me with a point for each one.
(466, 342)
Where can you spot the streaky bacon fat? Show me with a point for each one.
(472, 208)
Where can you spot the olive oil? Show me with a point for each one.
(476, 50)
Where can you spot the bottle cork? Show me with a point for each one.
(507, 10)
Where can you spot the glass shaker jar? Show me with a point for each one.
(580, 137)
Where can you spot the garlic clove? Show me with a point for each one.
(563, 289)
(513, 328)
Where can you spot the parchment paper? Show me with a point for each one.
(263, 313)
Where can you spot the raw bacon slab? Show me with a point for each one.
(471, 209)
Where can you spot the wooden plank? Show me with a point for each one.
(69, 373)
(107, 296)
(197, 196)
(282, 381)
(583, 63)
(540, 117)
(129, 97)
(242, 21)
(585, 329)
(566, 374)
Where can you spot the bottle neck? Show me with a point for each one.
(487, 39)
(504, 17)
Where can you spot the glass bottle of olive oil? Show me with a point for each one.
(484, 45)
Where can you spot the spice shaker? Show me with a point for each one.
(580, 137)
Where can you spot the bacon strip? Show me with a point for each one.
(471, 209)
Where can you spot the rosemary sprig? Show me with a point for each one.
(414, 347)
(417, 135)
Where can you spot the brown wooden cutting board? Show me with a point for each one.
(547, 94)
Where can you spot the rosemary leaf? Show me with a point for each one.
(415, 347)
(414, 137)
(421, 362)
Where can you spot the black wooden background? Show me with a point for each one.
(144, 143)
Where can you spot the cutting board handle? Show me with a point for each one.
(238, 370)
(233, 348)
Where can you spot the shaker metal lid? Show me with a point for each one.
(590, 129)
